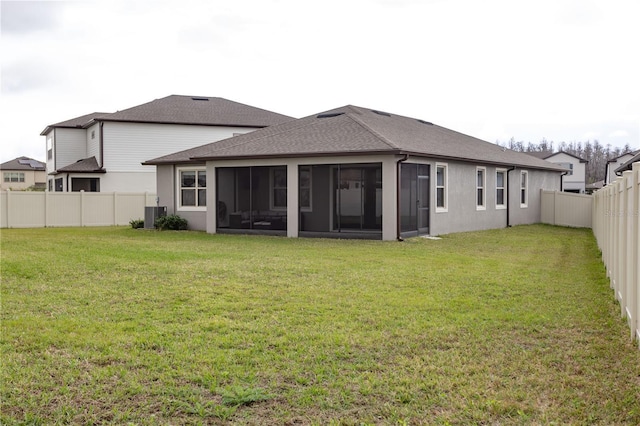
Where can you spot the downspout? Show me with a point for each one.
(398, 189)
(562, 180)
(507, 200)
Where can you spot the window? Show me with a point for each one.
(14, 176)
(193, 189)
(50, 186)
(305, 188)
(49, 147)
(567, 166)
(480, 192)
(278, 188)
(93, 134)
(501, 179)
(524, 192)
(58, 185)
(441, 187)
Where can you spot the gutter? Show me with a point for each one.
(507, 195)
(398, 190)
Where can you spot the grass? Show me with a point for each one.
(123, 326)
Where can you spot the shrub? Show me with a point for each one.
(136, 223)
(172, 222)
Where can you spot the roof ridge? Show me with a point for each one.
(372, 131)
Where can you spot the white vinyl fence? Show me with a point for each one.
(616, 226)
(20, 209)
(566, 209)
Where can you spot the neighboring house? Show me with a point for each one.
(353, 172)
(104, 151)
(575, 178)
(616, 163)
(627, 165)
(593, 187)
(23, 173)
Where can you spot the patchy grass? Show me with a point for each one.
(117, 326)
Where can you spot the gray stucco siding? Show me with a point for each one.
(537, 180)
(167, 191)
(462, 211)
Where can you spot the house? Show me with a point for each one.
(353, 172)
(627, 165)
(593, 187)
(617, 163)
(575, 178)
(23, 173)
(104, 151)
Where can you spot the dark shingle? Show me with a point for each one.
(86, 165)
(208, 111)
(176, 109)
(22, 163)
(357, 131)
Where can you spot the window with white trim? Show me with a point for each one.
(441, 187)
(14, 176)
(501, 184)
(305, 188)
(278, 184)
(481, 196)
(524, 188)
(192, 191)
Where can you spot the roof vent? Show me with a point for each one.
(200, 99)
(330, 114)
(425, 122)
(386, 114)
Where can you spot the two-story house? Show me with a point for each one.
(103, 152)
(574, 179)
(22, 173)
(615, 163)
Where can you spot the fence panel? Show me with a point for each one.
(616, 226)
(567, 209)
(20, 209)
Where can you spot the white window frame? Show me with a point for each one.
(503, 188)
(482, 188)
(14, 177)
(308, 208)
(179, 172)
(273, 187)
(524, 189)
(445, 188)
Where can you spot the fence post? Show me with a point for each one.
(635, 249)
(8, 208)
(82, 208)
(115, 208)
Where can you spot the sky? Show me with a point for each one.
(562, 70)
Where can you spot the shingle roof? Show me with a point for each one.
(352, 130)
(86, 165)
(75, 123)
(546, 155)
(23, 163)
(627, 165)
(201, 110)
(177, 109)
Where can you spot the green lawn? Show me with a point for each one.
(116, 326)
